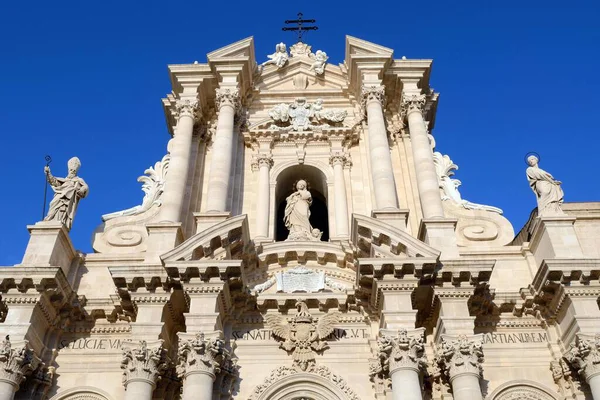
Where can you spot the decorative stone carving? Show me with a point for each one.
(370, 93)
(524, 391)
(16, 363)
(547, 190)
(67, 193)
(300, 115)
(584, 355)
(303, 336)
(300, 279)
(300, 49)
(263, 286)
(320, 59)
(297, 214)
(412, 103)
(228, 96)
(201, 355)
(279, 58)
(461, 355)
(261, 160)
(153, 182)
(561, 373)
(186, 108)
(397, 350)
(449, 187)
(143, 361)
(317, 370)
(330, 283)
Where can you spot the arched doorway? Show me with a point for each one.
(285, 186)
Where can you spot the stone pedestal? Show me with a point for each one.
(49, 245)
(207, 220)
(396, 218)
(555, 237)
(440, 233)
(162, 237)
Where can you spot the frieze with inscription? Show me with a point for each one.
(267, 334)
(90, 344)
(515, 338)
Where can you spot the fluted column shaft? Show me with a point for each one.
(263, 202)
(382, 173)
(179, 165)
(427, 181)
(341, 199)
(228, 103)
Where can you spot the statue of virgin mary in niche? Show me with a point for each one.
(297, 214)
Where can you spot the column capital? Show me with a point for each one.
(144, 361)
(584, 355)
(261, 160)
(201, 355)
(16, 362)
(396, 350)
(413, 103)
(339, 158)
(459, 355)
(372, 93)
(187, 108)
(228, 96)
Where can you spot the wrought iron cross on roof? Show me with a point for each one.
(300, 28)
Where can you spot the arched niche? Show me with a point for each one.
(318, 176)
(82, 393)
(522, 390)
(286, 383)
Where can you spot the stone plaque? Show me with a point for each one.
(300, 279)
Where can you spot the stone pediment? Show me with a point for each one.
(365, 56)
(224, 241)
(376, 239)
(297, 75)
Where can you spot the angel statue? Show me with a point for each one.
(303, 336)
(319, 60)
(279, 58)
(67, 193)
(548, 192)
(297, 214)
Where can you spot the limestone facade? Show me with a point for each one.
(411, 292)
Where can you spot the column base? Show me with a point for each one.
(440, 233)
(49, 245)
(555, 237)
(208, 219)
(396, 218)
(162, 237)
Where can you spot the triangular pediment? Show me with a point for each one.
(363, 56)
(241, 49)
(359, 47)
(297, 75)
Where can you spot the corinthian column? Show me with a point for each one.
(15, 364)
(181, 150)
(142, 364)
(264, 163)
(338, 160)
(460, 358)
(379, 149)
(427, 182)
(228, 104)
(400, 357)
(584, 356)
(200, 361)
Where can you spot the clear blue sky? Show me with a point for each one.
(85, 78)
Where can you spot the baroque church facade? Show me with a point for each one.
(303, 239)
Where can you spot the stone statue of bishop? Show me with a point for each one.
(67, 193)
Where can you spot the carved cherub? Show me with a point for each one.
(303, 336)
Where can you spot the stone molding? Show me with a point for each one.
(584, 355)
(201, 355)
(230, 97)
(396, 350)
(522, 390)
(459, 355)
(143, 361)
(16, 363)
